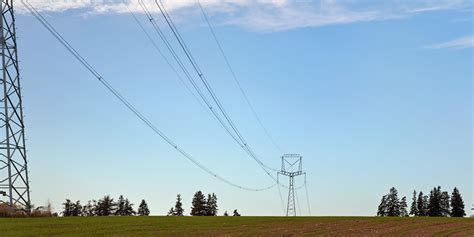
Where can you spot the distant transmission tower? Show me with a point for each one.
(14, 186)
(291, 166)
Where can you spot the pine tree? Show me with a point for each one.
(390, 205)
(434, 207)
(76, 209)
(143, 209)
(382, 209)
(105, 206)
(457, 204)
(236, 213)
(120, 206)
(178, 207)
(414, 207)
(393, 203)
(211, 205)
(198, 204)
(67, 208)
(128, 208)
(444, 204)
(208, 207)
(403, 207)
(88, 209)
(420, 205)
(426, 204)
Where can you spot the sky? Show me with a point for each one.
(373, 95)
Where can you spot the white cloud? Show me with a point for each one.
(437, 6)
(266, 15)
(55, 5)
(460, 43)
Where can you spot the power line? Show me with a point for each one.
(279, 192)
(155, 46)
(190, 78)
(124, 101)
(180, 64)
(234, 76)
(208, 87)
(185, 71)
(198, 69)
(183, 68)
(307, 196)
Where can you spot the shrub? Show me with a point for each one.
(16, 212)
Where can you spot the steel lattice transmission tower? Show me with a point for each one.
(291, 166)
(14, 186)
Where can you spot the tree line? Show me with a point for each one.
(200, 206)
(437, 203)
(105, 206)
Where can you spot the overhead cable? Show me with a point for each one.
(234, 76)
(208, 87)
(125, 102)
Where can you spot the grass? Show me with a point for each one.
(236, 226)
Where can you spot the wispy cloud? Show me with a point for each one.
(267, 15)
(460, 43)
(436, 6)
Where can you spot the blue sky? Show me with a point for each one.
(373, 95)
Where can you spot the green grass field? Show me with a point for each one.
(236, 226)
